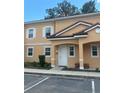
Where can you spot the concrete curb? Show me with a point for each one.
(64, 73)
(92, 77)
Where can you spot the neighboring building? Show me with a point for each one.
(65, 41)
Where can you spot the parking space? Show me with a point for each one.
(60, 84)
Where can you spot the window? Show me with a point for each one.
(97, 30)
(95, 51)
(71, 51)
(30, 33)
(48, 30)
(47, 51)
(30, 52)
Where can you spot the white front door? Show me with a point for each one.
(62, 55)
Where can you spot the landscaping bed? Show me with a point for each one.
(77, 69)
(37, 65)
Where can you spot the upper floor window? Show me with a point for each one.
(71, 51)
(95, 50)
(47, 31)
(31, 33)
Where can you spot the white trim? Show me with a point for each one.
(76, 36)
(45, 51)
(79, 23)
(92, 28)
(44, 30)
(34, 33)
(52, 65)
(80, 35)
(44, 44)
(81, 67)
(69, 50)
(32, 51)
(97, 45)
(81, 60)
(62, 38)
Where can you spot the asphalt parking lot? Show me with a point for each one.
(34, 83)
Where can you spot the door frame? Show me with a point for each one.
(59, 53)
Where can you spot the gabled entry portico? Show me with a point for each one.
(86, 49)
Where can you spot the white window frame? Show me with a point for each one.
(69, 50)
(34, 33)
(98, 30)
(44, 30)
(32, 51)
(45, 51)
(98, 50)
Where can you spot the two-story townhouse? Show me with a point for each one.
(64, 41)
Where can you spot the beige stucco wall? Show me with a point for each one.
(39, 33)
(94, 62)
(73, 60)
(74, 30)
(38, 50)
(65, 23)
(59, 25)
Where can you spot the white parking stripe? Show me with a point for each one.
(36, 84)
(93, 86)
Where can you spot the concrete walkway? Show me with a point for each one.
(64, 73)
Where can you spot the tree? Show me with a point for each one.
(89, 7)
(64, 8)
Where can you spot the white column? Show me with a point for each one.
(53, 56)
(81, 56)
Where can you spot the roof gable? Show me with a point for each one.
(83, 33)
(71, 27)
(97, 25)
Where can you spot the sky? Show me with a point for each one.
(35, 9)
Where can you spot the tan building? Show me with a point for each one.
(65, 41)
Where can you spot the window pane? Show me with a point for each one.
(94, 50)
(94, 53)
(47, 51)
(94, 47)
(30, 33)
(72, 48)
(30, 51)
(71, 51)
(48, 31)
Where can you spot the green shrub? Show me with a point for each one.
(42, 60)
(34, 63)
(97, 69)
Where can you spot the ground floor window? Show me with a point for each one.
(95, 50)
(71, 51)
(30, 51)
(47, 51)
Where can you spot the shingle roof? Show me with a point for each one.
(61, 18)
